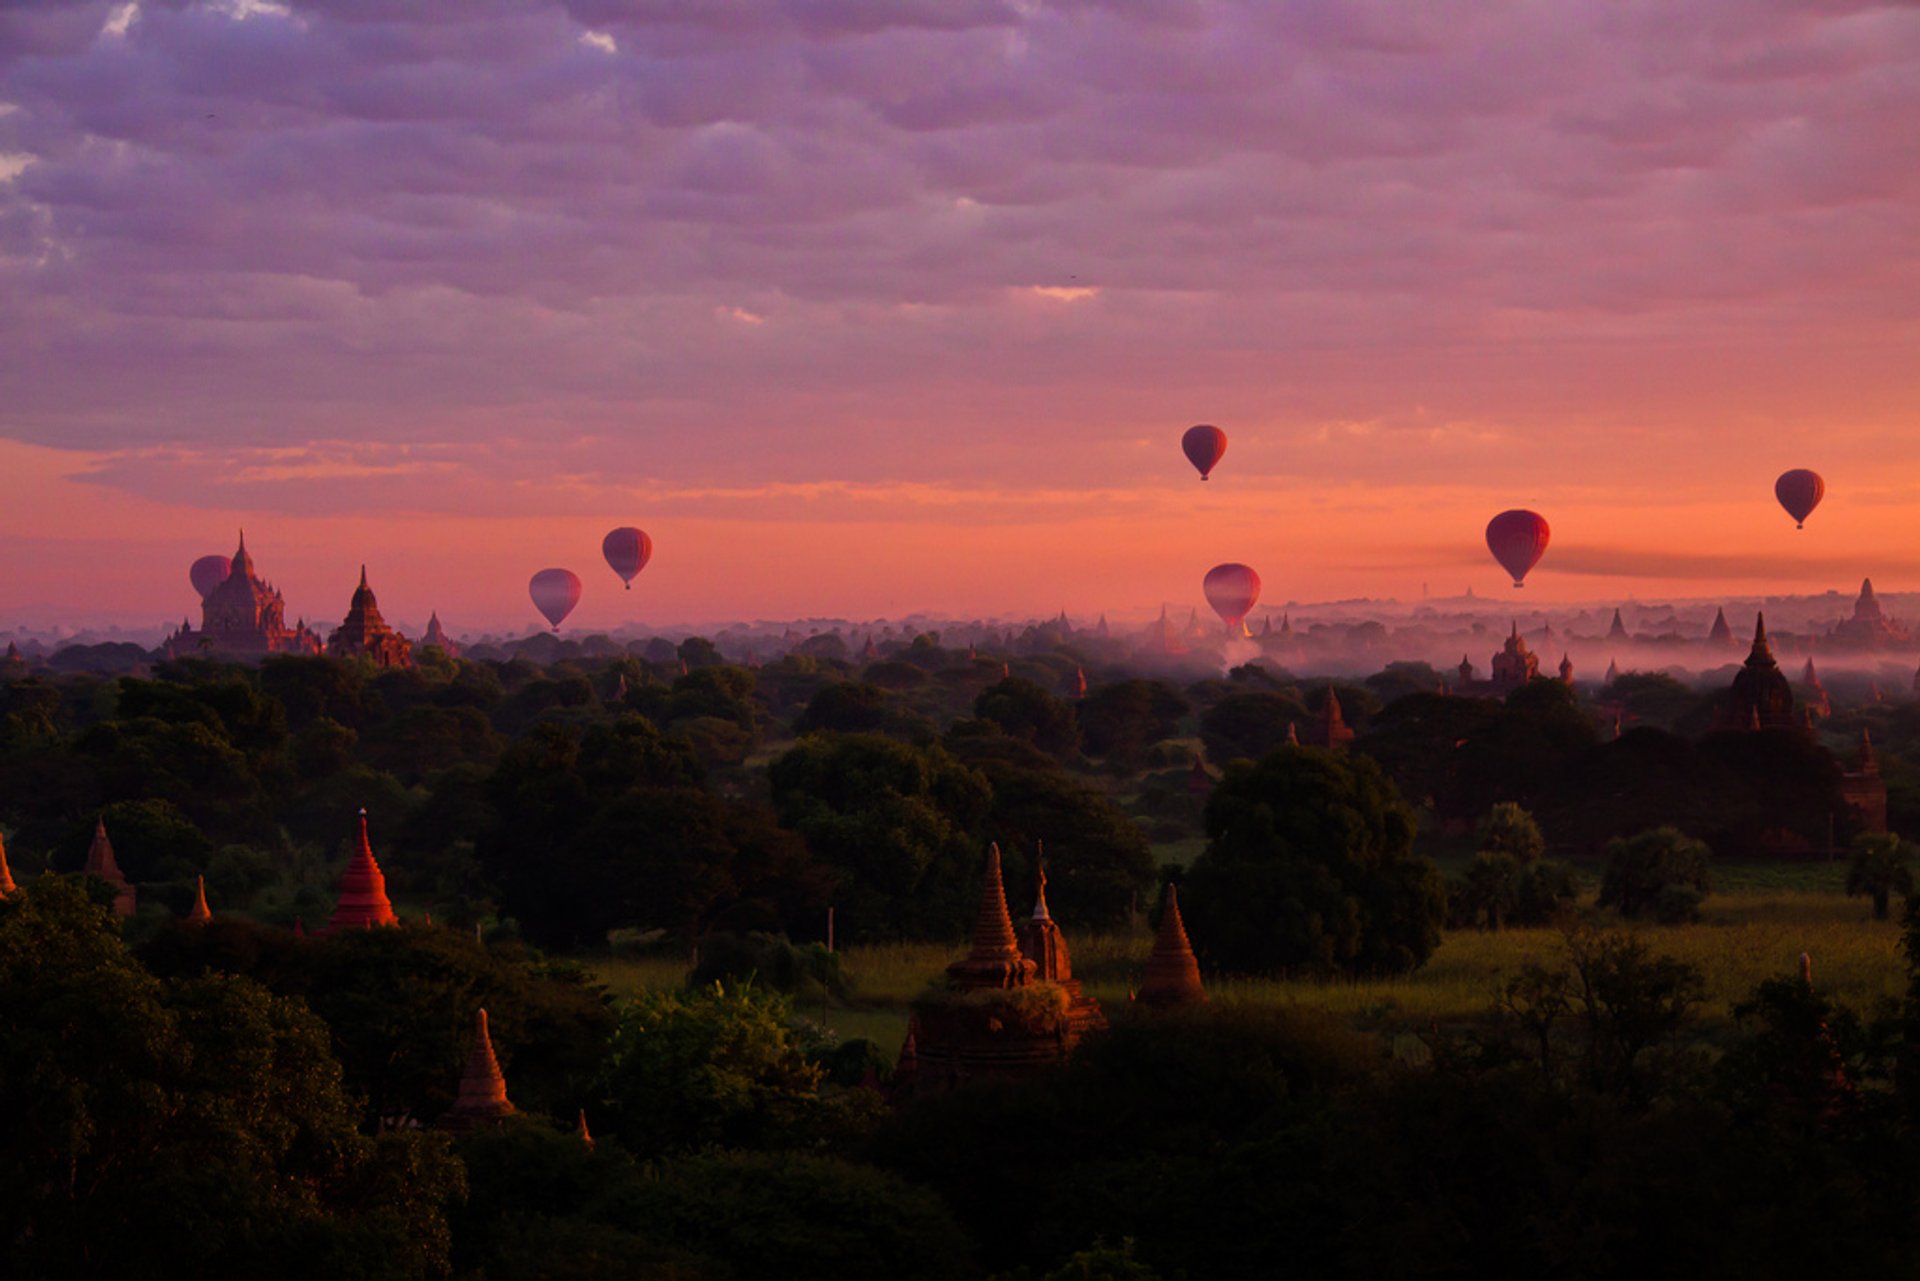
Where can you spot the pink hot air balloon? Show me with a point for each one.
(1800, 491)
(1232, 590)
(555, 592)
(1203, 446)
(208, 573)
(1517, 539)
(627, 550)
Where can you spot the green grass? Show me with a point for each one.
(1753, 927)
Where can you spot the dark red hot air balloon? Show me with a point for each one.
(555, 592)
(1800, 491)
(1203, 446)
(627, 550)
(1232, 590)
(1517, 540)
(208, 573)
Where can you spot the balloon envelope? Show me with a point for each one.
(555, 592)
(1203, 446)
(208, 573)
(1517, 540)
(1232, 590)
(1800, 491)
(627, 550)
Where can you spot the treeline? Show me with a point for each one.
(233, 1101)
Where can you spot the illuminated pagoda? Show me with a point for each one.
(243, 617)
(1042, 943)
(200, 913)
(1760, 698)
(363, 891)
(101, 863)
(482, 1100)
(1173, 972)
(365, 633)
(6, 873)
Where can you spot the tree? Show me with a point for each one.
(1509, 883)
(1882, 866)
(848, 707)
(1025, 711)
(1248, 725)
(1310, 862)
(1508, 829)
(1661, 873)
(1121, 721)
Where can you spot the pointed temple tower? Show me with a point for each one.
(6, 873)
(1329, 728)
(365, 633)
(1618, 631)
(483, 1087)
(1819, 702)
(1761, 698)
(1613, 671)
(996, 1017)
(363, 891)
(1720, 633)
(1566, 670)
(1046, 947)
(244, 617)
(1864, 788)
(101, 863)
(437, 637)
(1173, 973)
(200, 913)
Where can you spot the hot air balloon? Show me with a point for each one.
(627, 550)
(1517, 539)
(1203, 446)
(1232, 590)
(208, 573)
(555, 592)
(1800, 491)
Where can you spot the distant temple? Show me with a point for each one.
(1819, 702)
(6, 873)
(1566, 669)
(482, 1100)
(1042, 943)
(14, 665)
(1720, 633)
(1617, 632)
(365, 634)
(243, 617)
(1864, 789)
(1173, 972)
(101, 863)
(437, 637)
(1329, 728)
(363, 891)
(1869, 628)
(1513, 667)
(200, 913)
(1760, 698)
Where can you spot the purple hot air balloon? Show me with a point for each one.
(627, 550)
(555, 592)
(208, 573)
(1232, 590)
(1517, 540)
(1204, 446)
(1800, 491)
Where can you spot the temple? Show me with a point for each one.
(1043, 944)
(483, 1098)
(437, 637)
(1818, 701)
(1869, 628)
(365, 634)
(1720, 633)
(1173, 972)
(1864, 789)
(1513, 667)
(6, 873)
(101, 863)
(363, 891)
(1618, 630)
(200, 913)
(1760, 698)
(1329, 728)
(244, 617)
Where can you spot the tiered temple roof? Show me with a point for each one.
(363, 890)
(1869, 628)
(1761, 698)
(994, 960)
(437, 637)
(101, 863)
(365, 634)
(243, 617)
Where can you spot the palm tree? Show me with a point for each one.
(1882, 864)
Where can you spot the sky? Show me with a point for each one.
(861, 307)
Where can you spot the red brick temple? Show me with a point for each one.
(1042, 943)
(1869, 628)
(437, 637)
(244, 617)
(101, 863)
(483, 1098)
(1760, 698)
(1173, 972)
(200, 913)
(363, 891)
(365, 633)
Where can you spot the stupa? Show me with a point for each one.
(363, 891)
(1720, 633)
(483, 1098)
(6, 873)
(1044, 945)
(1864, 788)
(200, 913)
(1173, 972)
(101, 863)
(437, 637)
(365, 633)
(1329, 728)
(1760, 698)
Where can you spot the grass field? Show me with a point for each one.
(1754, 927)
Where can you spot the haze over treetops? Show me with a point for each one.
(869, 309)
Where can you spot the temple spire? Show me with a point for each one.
(200, 913)
(1173, 973)
(363, 890)
(1040, 912)
(6, 874)
(101, 863)
(483, 1087)
(586, 1135)
(1762, 653)
(994, 959)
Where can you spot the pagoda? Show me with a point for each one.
(1864, 789)
(1173, 972)
(1760, 698)
(1720, 633)
(6, 874)
(437, 637)
(200, 913)
(1869, 628)
(995, 1016)
(13, 666)
(1329, 728)
(482, 1100)
(1514, 665)
(1819, 702)
(101, 863)
(1566, 669)
(244, 617)
(363, 891)
(1043, 944)
(1618, 631)
(365, 633)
